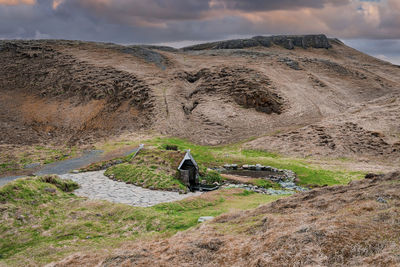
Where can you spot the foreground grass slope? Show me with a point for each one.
(353, 225)
(42, 221)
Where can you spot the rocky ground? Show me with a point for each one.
(96, 186)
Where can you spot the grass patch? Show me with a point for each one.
(245, 193)
(144, 176)
(39, 225)
(258, 153)
(15, 160)
(210, 177)
(151, 168)
(266, 184)
(212, 156)
(117, 145)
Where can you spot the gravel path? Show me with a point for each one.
(94, 185)
(65, 166)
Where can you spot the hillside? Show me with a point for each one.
(313, 113)
(301, 95)
(353, 225)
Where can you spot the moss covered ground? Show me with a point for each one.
(41, 221)
(213, 156)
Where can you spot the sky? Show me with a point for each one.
(372, 26)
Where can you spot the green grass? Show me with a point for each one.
(144, 176)
(112, 146)
(8, 166)
(210, 177)
(258, 153)
(41, 221)
(15, 161)
(212, 156)
(266, 184)
(245, 193)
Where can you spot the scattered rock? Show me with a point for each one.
(20, 217)
(205, 218)
(259, 167)
(32, 165)
(230, 166)
(291, 63)
(381, 200)
(50, 190)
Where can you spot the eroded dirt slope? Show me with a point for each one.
(48, 94)
(77, 92)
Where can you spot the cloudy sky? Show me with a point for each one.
(372, 26)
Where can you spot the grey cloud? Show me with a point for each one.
(387, 49)
(265, 5)
(162, 21)
(151, 10)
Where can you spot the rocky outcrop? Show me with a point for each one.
(48, 72)
(56, 95)
(286, 41)
(246, 87)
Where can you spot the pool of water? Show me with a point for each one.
(253, 173)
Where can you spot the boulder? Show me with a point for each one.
(205, 218)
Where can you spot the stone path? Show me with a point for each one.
(94, 185)
(8, 179)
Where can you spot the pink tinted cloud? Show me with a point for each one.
(17, 2)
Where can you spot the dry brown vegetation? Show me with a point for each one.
(353, 225)
(81, 92)
(313, 102)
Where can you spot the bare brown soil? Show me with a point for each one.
(353, 225)
(344, 139)
(47, 95)
(334, 102)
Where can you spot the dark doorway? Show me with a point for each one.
(189, 172)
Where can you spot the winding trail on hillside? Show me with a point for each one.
(66, 166)
(97, 186)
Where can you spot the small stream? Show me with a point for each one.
(66, 166)
(252, 173)
(285, 178)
